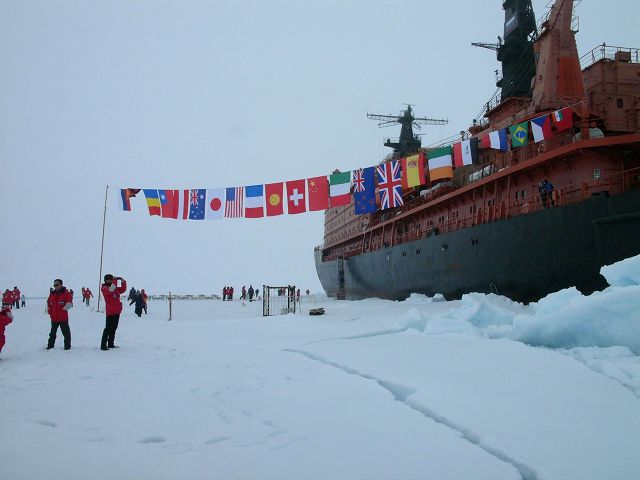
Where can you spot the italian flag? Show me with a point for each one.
(340, 189)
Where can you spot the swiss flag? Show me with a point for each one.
(273, 195)
(318, 188)
(296, 193)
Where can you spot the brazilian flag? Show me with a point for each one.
(519, 134)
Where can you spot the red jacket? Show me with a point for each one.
(7, 297)
(5, 319)
(55, 305)
(113, 305)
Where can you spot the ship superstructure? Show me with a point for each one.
(488, 229)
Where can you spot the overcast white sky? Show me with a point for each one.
(162, 94)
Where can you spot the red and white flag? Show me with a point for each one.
(296, 202)
(233, 206)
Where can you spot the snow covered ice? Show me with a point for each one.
(481, 388)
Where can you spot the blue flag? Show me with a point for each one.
(364, 190)
(197, 203)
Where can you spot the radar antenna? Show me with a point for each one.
(408, 142)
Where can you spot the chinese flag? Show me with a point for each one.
(273, 195)
(296, 202)
(318, 191)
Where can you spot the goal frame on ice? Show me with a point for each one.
(275, 304)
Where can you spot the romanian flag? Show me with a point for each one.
(153, 201)
(541, 128)
(519, 134)
(440, 163)
(413, 171)
(563, 119)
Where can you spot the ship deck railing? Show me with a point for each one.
(564, 195)
(609, 52)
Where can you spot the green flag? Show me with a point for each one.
(519, 134)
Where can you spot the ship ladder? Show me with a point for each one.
(494, 288)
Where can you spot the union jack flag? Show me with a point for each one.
(358, 180)
(389, 184)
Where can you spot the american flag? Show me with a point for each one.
(358, 180)
(234, 205)
(390, 184)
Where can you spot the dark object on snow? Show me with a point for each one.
(316, 311)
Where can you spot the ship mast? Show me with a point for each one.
(408, 143)
(558, 80)
(515, 52)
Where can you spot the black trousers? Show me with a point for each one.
(66, 333)
(109, 333)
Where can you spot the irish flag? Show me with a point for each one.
(340, 189)
(440, 163)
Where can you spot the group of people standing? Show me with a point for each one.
(14, 298)
(250, 294)
(60, 301)
(139, 297)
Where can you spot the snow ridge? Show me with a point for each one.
(401, 393)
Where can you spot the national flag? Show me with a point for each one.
(194, 204)
(153, 201)
(215, 203)
(126, 194)
(275, 205)
(519, 134)
(364, 191)
(170, 203)
(340, 189)
(541, 128)
(465, 152)
(440, 163)
(233, 207)
(254, 201)
(389, 184)
(413, 171)
(318, 192)
(296, 193)
(563, 119)
(496, 140)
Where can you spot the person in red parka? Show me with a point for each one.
(58, 305)
(7, 297)
(16, 296)
(5, 319)
(113, 307)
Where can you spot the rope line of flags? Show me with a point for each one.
(371, 188)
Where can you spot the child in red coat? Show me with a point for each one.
(6, 317)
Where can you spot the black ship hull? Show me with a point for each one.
(524, 257)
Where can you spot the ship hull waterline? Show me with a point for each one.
(524, 257)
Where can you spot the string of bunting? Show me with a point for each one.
(371, 188)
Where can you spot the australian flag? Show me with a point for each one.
(364, 194)
(197, 203)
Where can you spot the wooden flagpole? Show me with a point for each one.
(104, 221)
